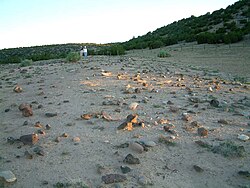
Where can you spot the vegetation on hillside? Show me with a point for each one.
(222, 26)
(57, 51)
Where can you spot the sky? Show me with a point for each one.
(26, 23)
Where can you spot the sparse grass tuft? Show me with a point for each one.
(240, 79)
(70, 185)
(229, 149)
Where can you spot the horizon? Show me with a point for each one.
(45, 22)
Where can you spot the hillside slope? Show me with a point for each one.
(222, 26)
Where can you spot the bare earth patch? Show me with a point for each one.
(80, 144)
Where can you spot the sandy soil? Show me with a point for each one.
(169, 90)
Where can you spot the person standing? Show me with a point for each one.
(81, 52)
(85, 52)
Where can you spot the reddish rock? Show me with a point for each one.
(27, 111)
(17, 89)
(202, 131)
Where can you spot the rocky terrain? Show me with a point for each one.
(128, 121)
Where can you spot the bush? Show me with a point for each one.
(26, 62)
(73, 57)
(117, 50)
(163, 54)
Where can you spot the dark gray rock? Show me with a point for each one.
(130, 159)
(113, 178)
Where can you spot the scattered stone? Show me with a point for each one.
(113, 178)
(58, 139)
(167, 140)
(197, 168)
(245, 174)
(223, 121)
(173, 132)
(17, 89)
(11, 140)
(42, 132)
(48, 127)
(7, 110)
(27, 112)
(130, 122)
(133, 106)
(136, 147)
(71, 124)
(170, 103)
(243, 137)
(194, 124)
(26, 109)
(45, 182)
(50, 114)
(86, 116)
(202, 131)
(76, 139)
(137, 90)
(28, 155)
(106, 73)
(25, 123)
(144, 181)
(65, 135)
(174, 109)
(125, 169)
(130, 159)
(214, 103)
(124, 145)
(39, 150)
(149, 143)
(186, 117)
(22, 106)
(168, 127)
(132, 118)
(40, 106)
(29, 139)
(8, 176)
(38, 125)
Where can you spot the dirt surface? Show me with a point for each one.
(174, 102)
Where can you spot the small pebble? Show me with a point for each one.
(48, 127)
(125, 169)
(133, 106)
(243, 137)
(136, 147)
(7, 176)
(197, 168)
(50, 114)
(25, 123)
(202, 131)
(130, 159)
(113, 178)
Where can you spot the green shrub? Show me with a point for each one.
(163, 54)
(117, 50)
(73, 57)
(26, 62)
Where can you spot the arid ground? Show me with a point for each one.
(192, 112)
